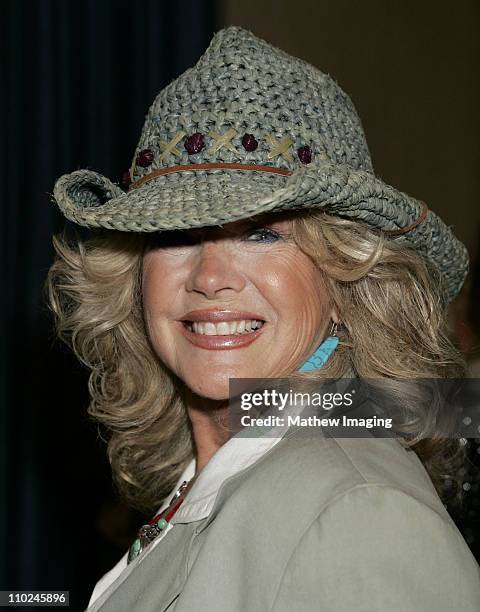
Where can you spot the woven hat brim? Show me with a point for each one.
(173, 201)
(212, 197)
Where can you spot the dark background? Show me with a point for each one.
(77, 80)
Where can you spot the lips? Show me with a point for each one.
(219, 342)
(216, 316)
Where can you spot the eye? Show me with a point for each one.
(263, 234)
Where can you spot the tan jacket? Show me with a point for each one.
(315, 523)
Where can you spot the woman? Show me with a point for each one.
(252, 238)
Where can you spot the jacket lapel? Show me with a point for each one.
(157, 580)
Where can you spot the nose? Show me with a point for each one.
(214, 271)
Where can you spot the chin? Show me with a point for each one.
(210, 391)
(213, 387)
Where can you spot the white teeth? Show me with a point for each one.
(209, 329)
(225, 328)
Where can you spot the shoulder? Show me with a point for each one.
(349, 524)
(319, 470)
(302, 477)
(376, 548)
(344, 524)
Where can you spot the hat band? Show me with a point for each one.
(258, 168)
(413, 225)
(210, 166)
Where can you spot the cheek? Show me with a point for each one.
(299, 288)
(157, 291)
(150, 290)
(156, 286)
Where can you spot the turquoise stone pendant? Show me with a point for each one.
(321, 355)
(134, 551)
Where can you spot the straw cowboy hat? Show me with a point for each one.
(248, 130)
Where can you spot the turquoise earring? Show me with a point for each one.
(323, 352)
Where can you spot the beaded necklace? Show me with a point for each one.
(147, 533)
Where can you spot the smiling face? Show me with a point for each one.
(246, 270)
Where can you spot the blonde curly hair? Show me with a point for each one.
(388, 299)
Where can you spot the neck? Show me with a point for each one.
(209, 420)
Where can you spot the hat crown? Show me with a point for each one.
(245, 101)
(248, 130)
